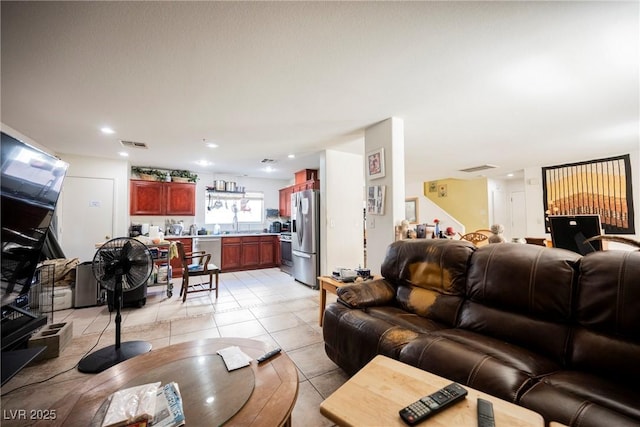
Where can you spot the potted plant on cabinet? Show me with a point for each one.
(149, 174)
(183, 176)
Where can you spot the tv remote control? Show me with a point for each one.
(269, 354)
(485, 413)
(432, 404)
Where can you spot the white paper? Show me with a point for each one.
(234, 358)
(305, 206)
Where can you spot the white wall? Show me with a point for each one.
(388, 134)
(341, 207)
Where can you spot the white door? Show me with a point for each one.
(86, 216)
(499, 209)
(518, 215)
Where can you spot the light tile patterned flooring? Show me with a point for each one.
(266, 305)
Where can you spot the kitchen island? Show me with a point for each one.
(239, 251)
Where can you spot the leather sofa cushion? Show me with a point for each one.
(526, 279)
(490, 365)
(523, 294)
(609, 293)
(608, 311)
(547, 338)
(425, 270)
(371, 331)
(582, 399)
(606, 355)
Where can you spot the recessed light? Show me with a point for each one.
(509, 175)
(212, 145)
(291, 156)
(204, 163)
(269, 169)
(107, 130)
(124, 154)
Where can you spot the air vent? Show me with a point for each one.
(133, 144)
(478, 168)
(266, 161)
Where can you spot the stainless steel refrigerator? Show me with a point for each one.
(305, 236)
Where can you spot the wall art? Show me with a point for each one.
(601, 187)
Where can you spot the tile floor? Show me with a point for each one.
(266, 304)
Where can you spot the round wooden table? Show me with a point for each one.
(270, 403)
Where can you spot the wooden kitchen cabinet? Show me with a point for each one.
(147, 198)
(268, 247)
(162, 198)
(180, 198)
(231, 253)
(306, 175)
(285, 201)
(306, 179)
(248, 252)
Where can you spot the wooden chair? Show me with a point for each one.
(484, 231)
(478, 239)
(191, 269)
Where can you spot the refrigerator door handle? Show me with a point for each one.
(300, 254)
(300, 216)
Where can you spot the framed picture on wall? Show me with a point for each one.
(375, 163)
(411, 210)
(375, 199)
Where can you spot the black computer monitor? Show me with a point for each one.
(571, 232)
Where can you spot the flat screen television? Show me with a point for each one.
(571, 232)
(31, 181)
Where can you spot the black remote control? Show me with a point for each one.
(432, 404)
(485, 413)
(269, 354)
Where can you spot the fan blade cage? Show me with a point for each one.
(122, 257)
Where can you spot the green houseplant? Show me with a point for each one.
(183, 175)
(149, 174)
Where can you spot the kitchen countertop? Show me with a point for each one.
(205, 236)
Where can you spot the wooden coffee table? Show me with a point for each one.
(375, 394)
(270, 403)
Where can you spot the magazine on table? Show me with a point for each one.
(147, 405)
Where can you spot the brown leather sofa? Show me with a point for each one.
(544, 328)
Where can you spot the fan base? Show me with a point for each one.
(109, 356)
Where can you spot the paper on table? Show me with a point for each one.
(234, 358)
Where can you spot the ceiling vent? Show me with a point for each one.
(478, 168)
(133, 144)
(267, 161)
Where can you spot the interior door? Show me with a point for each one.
(518, 214)
(86, 216)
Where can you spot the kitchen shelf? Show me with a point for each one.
(210, 190)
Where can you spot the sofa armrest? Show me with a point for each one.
(367, 294)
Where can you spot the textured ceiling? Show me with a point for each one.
(513, 84)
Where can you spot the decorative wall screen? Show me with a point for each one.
(600, 187)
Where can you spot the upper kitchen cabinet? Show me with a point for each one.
(181, 198)
(306, 175)
(285, 201)
(147, 198)
(162, 198)
(306, 179)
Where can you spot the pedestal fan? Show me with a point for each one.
(120, 265)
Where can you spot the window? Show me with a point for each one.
(220, 208)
